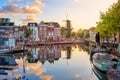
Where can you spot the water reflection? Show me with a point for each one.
(44, 53)
(48, 63)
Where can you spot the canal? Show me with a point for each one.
(58, 62)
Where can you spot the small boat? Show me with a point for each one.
(104, 61)
(4, 50)
(97, 49)
(101, 75)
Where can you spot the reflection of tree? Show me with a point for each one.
(68, 48)
(63, 48)
(80, 48)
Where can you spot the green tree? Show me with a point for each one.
(87, 35)
(28, 32)
(109, 22)
(80, 33)
(63, 31)
(73, 34)
(68, 34)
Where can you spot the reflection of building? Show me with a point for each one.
(33, 58)
(57, 52)
(48, 53)
(7, 62)
(68, 55)
(43, 55)
(7, 65)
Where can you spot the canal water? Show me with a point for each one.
(58, 62)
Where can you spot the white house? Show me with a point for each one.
(34, 27)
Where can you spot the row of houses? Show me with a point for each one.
(44, 31)
(114, 38)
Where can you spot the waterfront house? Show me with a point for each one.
(92, 33)
(43, 31)
(49, 31)
(57, 31)
(7, 38)
(34, 27)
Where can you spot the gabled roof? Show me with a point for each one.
(32, 24)
(55, 24)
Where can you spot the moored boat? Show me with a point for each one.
(4, 50)
(104, 61)
(113, 73)
(101, 75)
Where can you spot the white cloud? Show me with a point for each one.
(36, 3)
(15, 9)
(29, 18)
(1, 15)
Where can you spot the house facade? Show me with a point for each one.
(49, 31)
(7, 37)
(43, 31)
(34, 27)
(92, 33)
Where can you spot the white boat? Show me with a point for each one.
(104, 61)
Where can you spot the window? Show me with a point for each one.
(44, 28)
(33, 25)
(30, 25)
(49, 34)
(52, 34)
(40, 28)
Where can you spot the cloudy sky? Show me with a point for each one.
(82, 13)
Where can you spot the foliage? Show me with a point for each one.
(73, 34)
(109, 22)
(87, 35)
(28, 32)
(80, 33)
(63, 31)
(68, 34)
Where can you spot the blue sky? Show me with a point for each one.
(82, 13)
